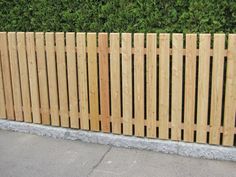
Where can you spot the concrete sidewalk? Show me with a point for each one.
(34, 156)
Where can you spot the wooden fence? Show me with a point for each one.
(178, 87)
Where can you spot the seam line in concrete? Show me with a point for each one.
(101, 159)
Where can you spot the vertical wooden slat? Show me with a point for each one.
(34, 92)
(164, 65)
(139, 83)
(15, 78)
(93, 81)
(62, 79)
(82, 75)
(127, 83)
(52, 78)
(203, 87)
(42, 76)
(217, 87)
(24, 77)
(115, 82)
(6, 76)
(104, 81)
(229, 111)
(2, 97)
(190, 80)
(176, 95)
(72, 80)
(151, 84)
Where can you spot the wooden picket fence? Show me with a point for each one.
(166, 86)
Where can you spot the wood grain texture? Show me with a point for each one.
(190, 86)
(177, 82)
(203, 87)
(52, 78)
(230, 94)
(3, 114)
(93, 81)
(104, 81)
(72, 80)
(216, 88)
(42, 76)
(115, 82)
(24, 76)
(139, 83)
(151, 84)
(127, 83)
(34, 92)
(62, 79)
(15, 77)
(83, 80)
(6, 76)
(164, 77)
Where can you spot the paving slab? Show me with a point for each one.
(27, 155)
(24, 155)
(120, 162)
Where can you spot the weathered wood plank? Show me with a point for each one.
(139, 83)
(6, 76)
(151, 83)
(93, 81)
(230, 102)
(203, 87)
(127, 83)
(34, 92)
(83, 80)
(42, 76)
(164, 77)
(217, 87)
(15, 77)
(177, 81)
(72, 80)
(190, 86)
(62, 79)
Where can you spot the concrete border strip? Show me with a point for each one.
(166, 146)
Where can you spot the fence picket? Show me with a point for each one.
(62, 79)
(176, 95)
(151, 84)
(139, 83)
(93, 81)
(229, 111)
(6, 76)
(127, 83)
(164, 77)
(217, 86)
(72, 80)
(34, 92)
(104, 81)
(24, 77)
(15, 78)
(42, 76)
(2, 97)
(190, 80)
(82, 75)
(203, 87)
(52, 78)
(115, 82)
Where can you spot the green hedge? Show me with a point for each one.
(119, 15)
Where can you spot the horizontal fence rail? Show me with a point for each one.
(166, 86)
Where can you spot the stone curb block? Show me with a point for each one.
(166, 146)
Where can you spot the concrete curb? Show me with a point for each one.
(165, 146)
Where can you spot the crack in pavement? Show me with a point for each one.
(96, 165)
